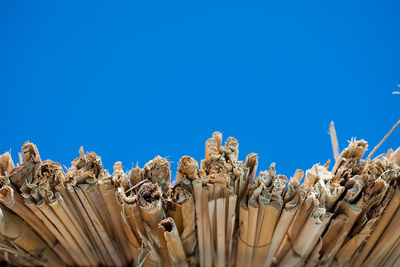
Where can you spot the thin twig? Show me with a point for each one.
(136, 185)
(383, 140)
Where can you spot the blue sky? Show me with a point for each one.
(130, 81)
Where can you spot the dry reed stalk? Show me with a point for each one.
(386, 242)
(96, 228)
(11, 198)
(199, 219)
(98, 212)
(175, 248)
(76, 196)
(392, 256)
(208, 239)
(342, 217)
(292, 200)
(308, 205)
(13, 201)
(251, 230)
(19, 233)
(114, 209)
(230, 224)
(381, 225)
(283, 224)
(78, 227)
(64, 249)
(70, 241)
(243, 233)
(72, 206)
(188, 235)
(84, 176)
(182, 207)
(221, 231)
(63, 216)
(338, 231)
(268, 222)
(302, 244)
(350, 249)
(152, 213)
(307, 256)
(131, 214)
(15, 255)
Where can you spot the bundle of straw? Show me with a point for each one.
(218, 213)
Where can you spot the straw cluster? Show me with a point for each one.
(218, 213)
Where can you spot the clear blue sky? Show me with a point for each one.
(130, 81)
